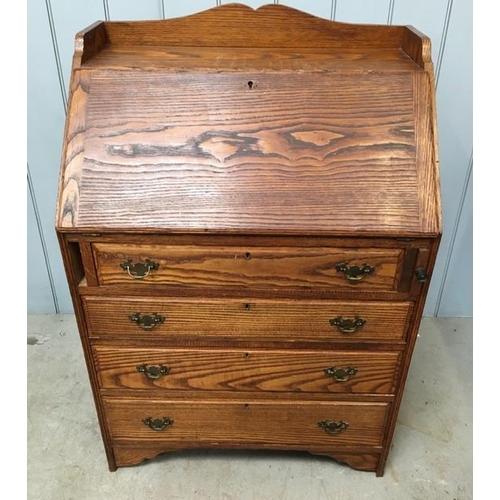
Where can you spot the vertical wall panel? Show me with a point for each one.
(454, 107)
(457, 291)
(428, 16)
(362, 11)
(40, 300)
(124, 10)
(186, 7)
(45, 130)
(321, 8)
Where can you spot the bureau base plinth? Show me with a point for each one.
(127, 455)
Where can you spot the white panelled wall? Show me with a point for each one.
(52, 25)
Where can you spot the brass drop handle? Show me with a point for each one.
(332, 427)
(157, 424)
(340, 374)
(153, 372)
(347, 325)
(354, 273)
(146, 321)
(139, 270)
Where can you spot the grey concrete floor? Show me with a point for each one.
(431, 456)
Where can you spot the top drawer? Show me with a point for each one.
(252, 266)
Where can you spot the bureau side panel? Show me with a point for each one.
(74, 268)
(407, 355)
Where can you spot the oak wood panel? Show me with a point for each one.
(89, 42)
(263, 240)
(267, 423)
(244, 157)
(242, 396)
(242, 318)
(418, 47)
(248, 266)
(430, 260)
(230, 59)
(428, 177)
(73, 267)
(88, 262)
(132, 454)
(73, 151)
(247, 370)
(269, 293)
(240, 26)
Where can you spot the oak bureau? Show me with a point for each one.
(249, 215)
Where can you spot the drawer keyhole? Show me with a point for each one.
(248, 255)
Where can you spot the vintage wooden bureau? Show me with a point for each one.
(249, 215)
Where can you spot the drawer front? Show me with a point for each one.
(304, 424)
(256, 267)
(247, 370)
(256, 319)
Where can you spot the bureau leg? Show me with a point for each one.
(381, 467)
(111, 460)
(360, 461)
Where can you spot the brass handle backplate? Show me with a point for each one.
(157, 424)
(340, 374)
(139, 270)
(354, 273)
(146, 321)
(347, 325)
(332, 427)
(153, 372)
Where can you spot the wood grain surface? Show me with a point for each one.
(237, 25)
(249, 370)
(311, 154)
(283, 154)
(230, 59)
(271, 423)
(73, 152)
(255, 319)
(248, 266)
(127, 454)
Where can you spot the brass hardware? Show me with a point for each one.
(421, 275)
(340, 374)
(333, 427)
(354, 273)
(139, 270)
(153, 372)
(347, 325)
(157, 424)
(145, 321)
